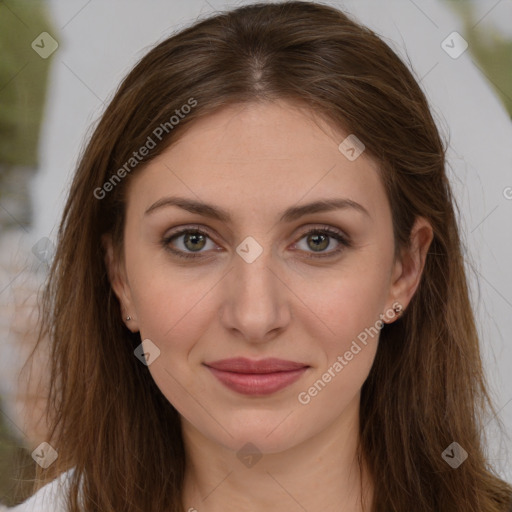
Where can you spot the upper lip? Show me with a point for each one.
(244, 365)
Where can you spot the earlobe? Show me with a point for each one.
(409, 269)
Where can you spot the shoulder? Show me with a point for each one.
(50, 498)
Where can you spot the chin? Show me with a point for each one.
(269, 432)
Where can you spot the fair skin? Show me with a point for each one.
(255, 161)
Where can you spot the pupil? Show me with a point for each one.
(193, 237)
(322, 244)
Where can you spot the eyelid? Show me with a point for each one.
(179, 230)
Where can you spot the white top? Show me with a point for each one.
(50, 498)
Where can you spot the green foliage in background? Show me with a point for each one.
(17, 468)
(491, 51)
(23, 80)
(495, 57)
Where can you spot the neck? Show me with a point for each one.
(321, 473)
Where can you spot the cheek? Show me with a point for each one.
(351, 311)
(349, 302)
(165, 294)
(173, 306)
(349, 299)
(350, 305)
(174, 313)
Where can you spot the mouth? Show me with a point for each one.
(256, 378)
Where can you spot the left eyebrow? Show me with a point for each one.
(289, 215)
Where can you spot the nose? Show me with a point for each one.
(255, 304)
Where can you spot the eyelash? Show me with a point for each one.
(333, 233)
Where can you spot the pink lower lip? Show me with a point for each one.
(257, 383)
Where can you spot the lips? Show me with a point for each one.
(261, 377)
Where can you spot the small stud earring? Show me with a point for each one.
(398, 311)
(128, 318)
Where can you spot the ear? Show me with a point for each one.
(408, 268)
(119, 283)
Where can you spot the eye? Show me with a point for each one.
(319, 239)
(190, 239)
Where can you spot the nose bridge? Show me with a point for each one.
(255, 304)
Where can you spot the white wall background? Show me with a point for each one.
(100, 41)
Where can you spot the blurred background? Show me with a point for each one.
(61, 61)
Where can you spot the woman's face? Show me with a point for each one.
(255, 283)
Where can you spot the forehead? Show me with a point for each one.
(261, 131)
(259, 155)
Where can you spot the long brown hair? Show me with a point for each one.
(426, 389)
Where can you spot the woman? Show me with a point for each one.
(258, 298)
